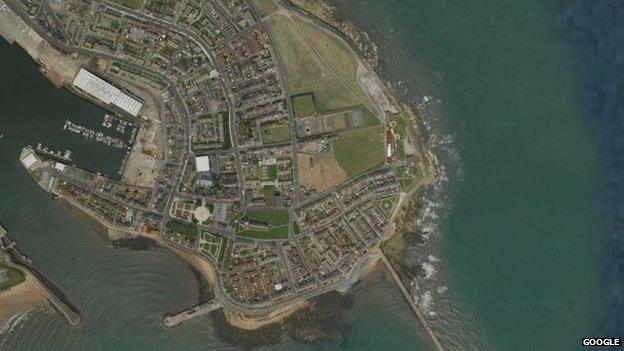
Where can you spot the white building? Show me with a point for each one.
(203, 164)
(105, 92)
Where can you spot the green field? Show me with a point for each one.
(213, 246)
(275, 133)
(303, 105)
(135, 4)
(187, 230)
(359, 150)
(268, 193)
(272, 170)
(243, 129)
(400, 128)
(317, 62)
(226, 130)
(386, 205)
(408, 176)
(16, 276)
(276, 219)
(265, 7)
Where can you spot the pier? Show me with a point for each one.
(52, 293)
(410, 301)
(171, 321)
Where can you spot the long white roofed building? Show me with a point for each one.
(106, 92)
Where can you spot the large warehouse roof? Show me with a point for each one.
(105, 92)
(202, 163)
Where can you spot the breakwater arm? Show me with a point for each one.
(58, 300)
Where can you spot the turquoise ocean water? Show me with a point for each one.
(520, 234)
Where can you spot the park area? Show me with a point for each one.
(276, 220)
(303, 105)
(317, 62)
(359, 150)
(212, 245)
(275, 133)
(186, 230)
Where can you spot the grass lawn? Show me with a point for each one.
(187, 230)
(243, 129)
(359, 150)
(303, 105)
(268, 193)
(265, 7)
(16, 276)
(275, 133)
(408, 176)
(317, 62)
(135, 4)
(272, 170)
(400, 128)
(386, 205)
(213, 246)
(225, 116)
(276, 219)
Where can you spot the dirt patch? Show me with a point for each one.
(320, 171)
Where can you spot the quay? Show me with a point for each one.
(171, 321)
(410, 301)
(52, 293)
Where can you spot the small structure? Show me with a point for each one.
(3, 231)
(106, 92)
(4, 275)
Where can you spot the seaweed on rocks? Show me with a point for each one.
(135, 243)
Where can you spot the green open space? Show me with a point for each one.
(315, 61)
(213, 245)
(277, 221)
(400, 128)
(16, 277)
(135, 4)
(272, 172)
(265, 7)
(408, 176)
(268, 193)
(303, 105)
(243, 129)
(184, 229)
(386, 205)
(225, 117)
(359, 150)
(275, 133)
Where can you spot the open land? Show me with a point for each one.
(359, 150)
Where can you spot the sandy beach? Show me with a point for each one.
(20, 298)
(242, 322)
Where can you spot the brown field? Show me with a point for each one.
(324, 173)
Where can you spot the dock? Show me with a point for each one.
(412, 304)
(52, 293)
(171, 321)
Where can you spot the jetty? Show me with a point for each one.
(171, 321)
(412, 304)
(51, 292)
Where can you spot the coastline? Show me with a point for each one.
(198, 264)
(21, 298)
